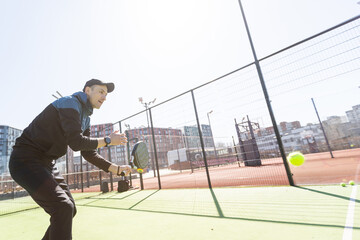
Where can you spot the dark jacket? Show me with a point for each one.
(63, 123)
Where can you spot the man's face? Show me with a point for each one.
(96, 95)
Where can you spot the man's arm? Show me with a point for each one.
(77, 141)
(94, 158)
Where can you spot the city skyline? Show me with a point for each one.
(305, 138)
(108, 126)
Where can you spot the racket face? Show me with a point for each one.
(141, 155)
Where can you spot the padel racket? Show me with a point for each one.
(140, 156)
(140, 159)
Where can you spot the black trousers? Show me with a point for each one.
(47, 189)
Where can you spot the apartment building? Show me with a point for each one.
(8, 136)
(166, 139)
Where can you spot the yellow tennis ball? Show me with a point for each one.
(140, 170)
(343, 184)
(352, 183)
(296, 158)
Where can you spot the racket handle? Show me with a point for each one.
(131, 164)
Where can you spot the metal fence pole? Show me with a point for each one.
(81, 176)
(155, 150)
(267, 99)
(201, 140)
(13, 189)
(111, 176)
(148, 129)
(236, 152)
(87, 175)
(100, 175)
(76, 177)
(322, 128)
(67, 165)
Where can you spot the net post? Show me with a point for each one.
(100, 175)
(67, 165)
(87, 175)
(141, 181)
(111, 176)
(81, 176)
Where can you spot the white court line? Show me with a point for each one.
(351, 211)
(350, 216)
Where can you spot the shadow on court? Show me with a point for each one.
(328, 194)
(218, 205)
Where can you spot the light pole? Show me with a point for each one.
(212, 136)
(146, 105)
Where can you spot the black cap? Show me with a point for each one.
(110, 86)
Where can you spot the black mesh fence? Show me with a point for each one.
(221, 134)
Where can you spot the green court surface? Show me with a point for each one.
(308, 212)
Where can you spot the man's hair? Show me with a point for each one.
(91, 87)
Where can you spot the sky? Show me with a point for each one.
(150, 49)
